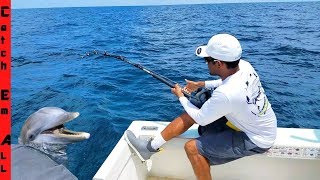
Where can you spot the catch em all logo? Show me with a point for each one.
(5, 87)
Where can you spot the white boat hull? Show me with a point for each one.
(295, 156)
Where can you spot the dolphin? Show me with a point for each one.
(47, 126)
(41, 152)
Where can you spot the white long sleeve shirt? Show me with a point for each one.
(241, 99)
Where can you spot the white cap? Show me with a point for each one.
(223, 47)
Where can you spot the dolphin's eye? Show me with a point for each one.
(31, 137)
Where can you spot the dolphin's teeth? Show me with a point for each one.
(69, 132)
(50, 131)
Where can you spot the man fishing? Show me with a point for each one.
(236, 121)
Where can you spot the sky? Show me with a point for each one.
(21, 4)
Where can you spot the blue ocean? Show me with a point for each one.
(281, 40)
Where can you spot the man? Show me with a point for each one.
(238, 119)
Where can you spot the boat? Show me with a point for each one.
(294, 156)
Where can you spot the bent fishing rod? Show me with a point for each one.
(159, 77)
(197, 98)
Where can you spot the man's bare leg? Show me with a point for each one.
(177, 126)
(145, 149)
(200, 164)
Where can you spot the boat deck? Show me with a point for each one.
(294, 156)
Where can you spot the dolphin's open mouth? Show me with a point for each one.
(61, 131)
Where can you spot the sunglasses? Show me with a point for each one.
(210, 59)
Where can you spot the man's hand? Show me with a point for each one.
(191, 86)
(177, 91)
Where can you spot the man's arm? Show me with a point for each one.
(213, 83)
(194, 85)
(214, 108)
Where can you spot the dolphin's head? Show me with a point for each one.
(47, 126)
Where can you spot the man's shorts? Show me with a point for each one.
(221, 144)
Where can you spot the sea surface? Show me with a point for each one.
(281, 40)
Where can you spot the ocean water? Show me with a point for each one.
(281, 40)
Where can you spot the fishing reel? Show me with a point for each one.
(200, 96)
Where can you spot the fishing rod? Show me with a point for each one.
(159, 77)
(197, 97)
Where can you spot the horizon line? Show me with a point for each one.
(143, 5)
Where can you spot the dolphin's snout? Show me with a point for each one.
(75, 114)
